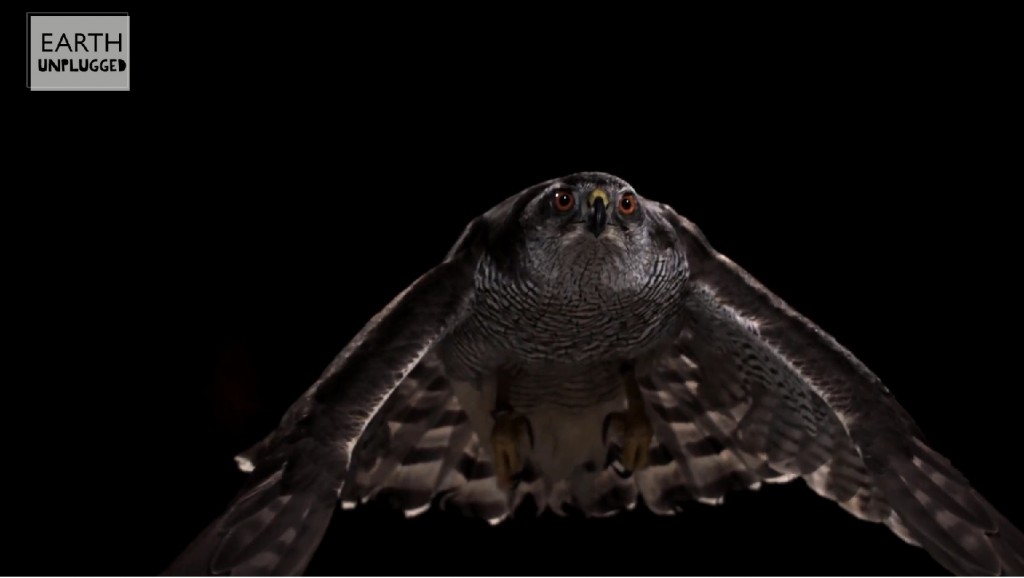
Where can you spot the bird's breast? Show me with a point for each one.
(569, 319)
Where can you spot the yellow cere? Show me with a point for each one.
(598, 194)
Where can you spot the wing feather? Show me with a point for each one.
(299, 470)
(808, 407)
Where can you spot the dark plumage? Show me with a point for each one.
(584, 346)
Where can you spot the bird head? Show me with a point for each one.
(585, 212)
(589, 229)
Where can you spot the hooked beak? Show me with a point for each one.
(598, 211)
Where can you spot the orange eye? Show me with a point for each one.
(563, 201)
(627, 204)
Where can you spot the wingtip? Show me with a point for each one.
(244, 464)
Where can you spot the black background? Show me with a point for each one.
(275, 177)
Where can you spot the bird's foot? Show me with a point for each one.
(511, 430)
(634, 430)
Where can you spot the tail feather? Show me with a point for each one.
(474, 489)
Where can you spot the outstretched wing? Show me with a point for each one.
(753, 391)
(276, 522)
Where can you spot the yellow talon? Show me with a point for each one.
(636, 439)
(510, 430)
(633, 426)
(633, 430)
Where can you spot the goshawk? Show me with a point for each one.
(583, 347)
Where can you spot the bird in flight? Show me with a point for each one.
(584, 348)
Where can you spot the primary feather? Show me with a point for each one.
(580, 313)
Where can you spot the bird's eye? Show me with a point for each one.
(627, 204)
(563, 200)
